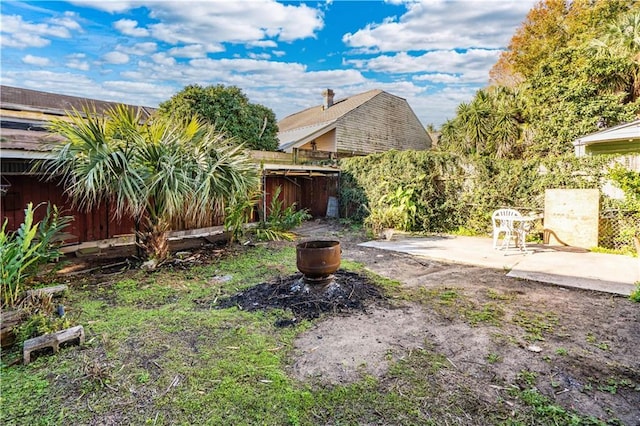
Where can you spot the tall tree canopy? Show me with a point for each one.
(571, 65)
(230, 111)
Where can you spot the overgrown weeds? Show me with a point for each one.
(43, 316)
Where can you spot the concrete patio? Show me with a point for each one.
(564, 266)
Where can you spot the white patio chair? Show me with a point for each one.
(503, 223)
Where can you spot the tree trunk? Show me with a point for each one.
(155, 242)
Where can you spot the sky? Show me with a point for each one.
(434, 53)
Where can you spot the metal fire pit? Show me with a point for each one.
(318, 260)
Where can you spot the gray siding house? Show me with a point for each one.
(370, 122)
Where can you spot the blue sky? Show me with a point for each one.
(434, 53)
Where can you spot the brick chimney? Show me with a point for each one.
(327, 94)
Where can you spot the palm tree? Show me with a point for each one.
(452, 138)
(157, 170)
(505, 126)
(475, 118)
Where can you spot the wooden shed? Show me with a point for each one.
(310, 187)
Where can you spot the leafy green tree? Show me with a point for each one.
(452, 139)
(551, 25)
(475, 121)
(506, 128)
(565, 101)
(569, 66)
(540, 34)
(157, 170)
(621, 43)
(230, 111)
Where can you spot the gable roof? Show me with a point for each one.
(317, 115)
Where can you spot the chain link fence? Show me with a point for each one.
(617, 228)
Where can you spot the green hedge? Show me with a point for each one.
(451, 192)
(433, 177)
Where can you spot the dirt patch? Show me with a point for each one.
(344, 349)
(580, 347)
(360, 334)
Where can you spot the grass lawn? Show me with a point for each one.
(157, 352)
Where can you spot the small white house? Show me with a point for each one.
(620, 139)
(623, 139)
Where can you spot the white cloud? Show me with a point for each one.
(21, 34)
(472, 65)
(430, 25)
(140, 93)
(194, 51)
(251, 22)
(161, 58)
(138, 49)
(69, 21)
(437, 77)
(111, 6)
(130, 27)
(78, 65)
(49, 81)
(262, 43)
(21, 41)
(115, 57)
(134, 93)
(76, 62)
(38, 61)
(263, 56)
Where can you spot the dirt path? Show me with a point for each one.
(582, 347)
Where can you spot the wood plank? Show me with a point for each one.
(53, 290)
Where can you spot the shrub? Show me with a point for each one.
(279, 221)
(24, 251)
(396, 210)
(43, 317)
(419, 190)
(238, 213)
(635, 294)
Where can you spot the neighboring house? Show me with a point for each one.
(370, 122)
(24, 117)
(623, 139)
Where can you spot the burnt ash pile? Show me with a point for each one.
(348, 292)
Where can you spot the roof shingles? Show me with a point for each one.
(317, 114)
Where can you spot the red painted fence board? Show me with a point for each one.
(96, 224)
